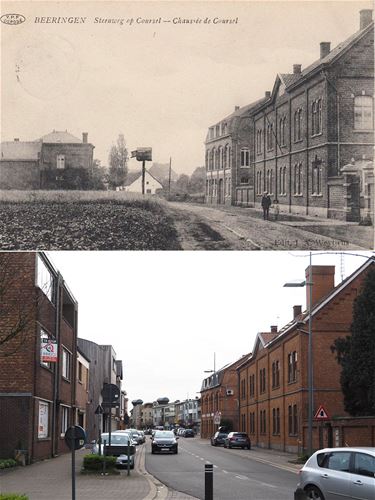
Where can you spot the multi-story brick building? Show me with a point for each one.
(41, 164)
(311, 142)
(38, 328)
(220, 395)
(273, 380)
(228, 156)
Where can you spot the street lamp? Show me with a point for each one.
(309, 355)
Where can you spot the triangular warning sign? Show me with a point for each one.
(321, 414)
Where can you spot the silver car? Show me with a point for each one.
(334, 473)
(118, 448)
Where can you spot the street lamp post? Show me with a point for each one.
(310, 380)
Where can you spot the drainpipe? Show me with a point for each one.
(57, 364)
(324, 73)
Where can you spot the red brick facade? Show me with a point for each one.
(36, 398)
(274, 402)
(219, 393)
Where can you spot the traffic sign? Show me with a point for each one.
(321, 414)
(75, 437)
(99, 410)
(217, 418)
(110, 393)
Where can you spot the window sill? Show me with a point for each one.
(298, 140)
(317, 135)
(291, 382)
(46, 367)
(65, 379)
(363, 131)
(298, 195)
(317, 196)
(44, 439)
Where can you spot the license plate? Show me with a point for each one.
(165, 449)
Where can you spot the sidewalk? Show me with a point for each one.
(51, 479)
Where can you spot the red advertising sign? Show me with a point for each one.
(48, 350)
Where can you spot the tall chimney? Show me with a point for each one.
(365, 18)
(297, 69)
(325, 49)
(84, 137)
(273, 328)
(267, 94)
(297, 310)
(321, 281)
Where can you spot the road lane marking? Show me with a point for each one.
(225, 471)
(242, 477)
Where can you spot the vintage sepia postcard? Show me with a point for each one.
(187, 125)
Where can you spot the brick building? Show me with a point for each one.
(228, 156)
(37, 390)
(311, 142)
(41, 164)
(273, 379)
(220, 393)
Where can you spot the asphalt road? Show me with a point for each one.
(206, 227)
(236, 475)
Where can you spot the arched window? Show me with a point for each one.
(319, 117)
(313, 118)
(363, 112)
(298, 125)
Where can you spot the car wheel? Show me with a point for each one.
(314, 493)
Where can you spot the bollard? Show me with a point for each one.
(300, 494)
(208, 482)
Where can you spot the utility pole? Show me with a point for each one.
(143, 176)
(169, 178)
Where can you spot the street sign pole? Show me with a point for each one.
(73, 465)
(143, 176)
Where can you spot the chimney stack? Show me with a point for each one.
(321, 279)
(16, 139)
(84, 137)
(325, 49)
(267, 94)
(365, 18)
(236, 108)
(273, 328)
(297, 310)
(297, 69)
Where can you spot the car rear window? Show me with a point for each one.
(240, 434)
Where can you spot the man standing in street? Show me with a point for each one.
(266, 203)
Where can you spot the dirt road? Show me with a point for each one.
(203, 227)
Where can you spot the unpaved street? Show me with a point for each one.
(203, 227)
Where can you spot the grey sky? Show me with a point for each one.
(161, 85)
(166, 313)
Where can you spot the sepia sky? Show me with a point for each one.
(167, 313)
(160, 84)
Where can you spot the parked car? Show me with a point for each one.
(333, 473)
(218, 438)
(163, 442)
(142, 437)
(237, 440)
(189, 433)
(118, 448)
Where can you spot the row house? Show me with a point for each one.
(311, 142)
(220, 399)
(273, 380)
(39, 359)
(188, 413)
(104, 369)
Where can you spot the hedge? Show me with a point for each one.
(95, 462)
(13, 496)
(7, 462)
